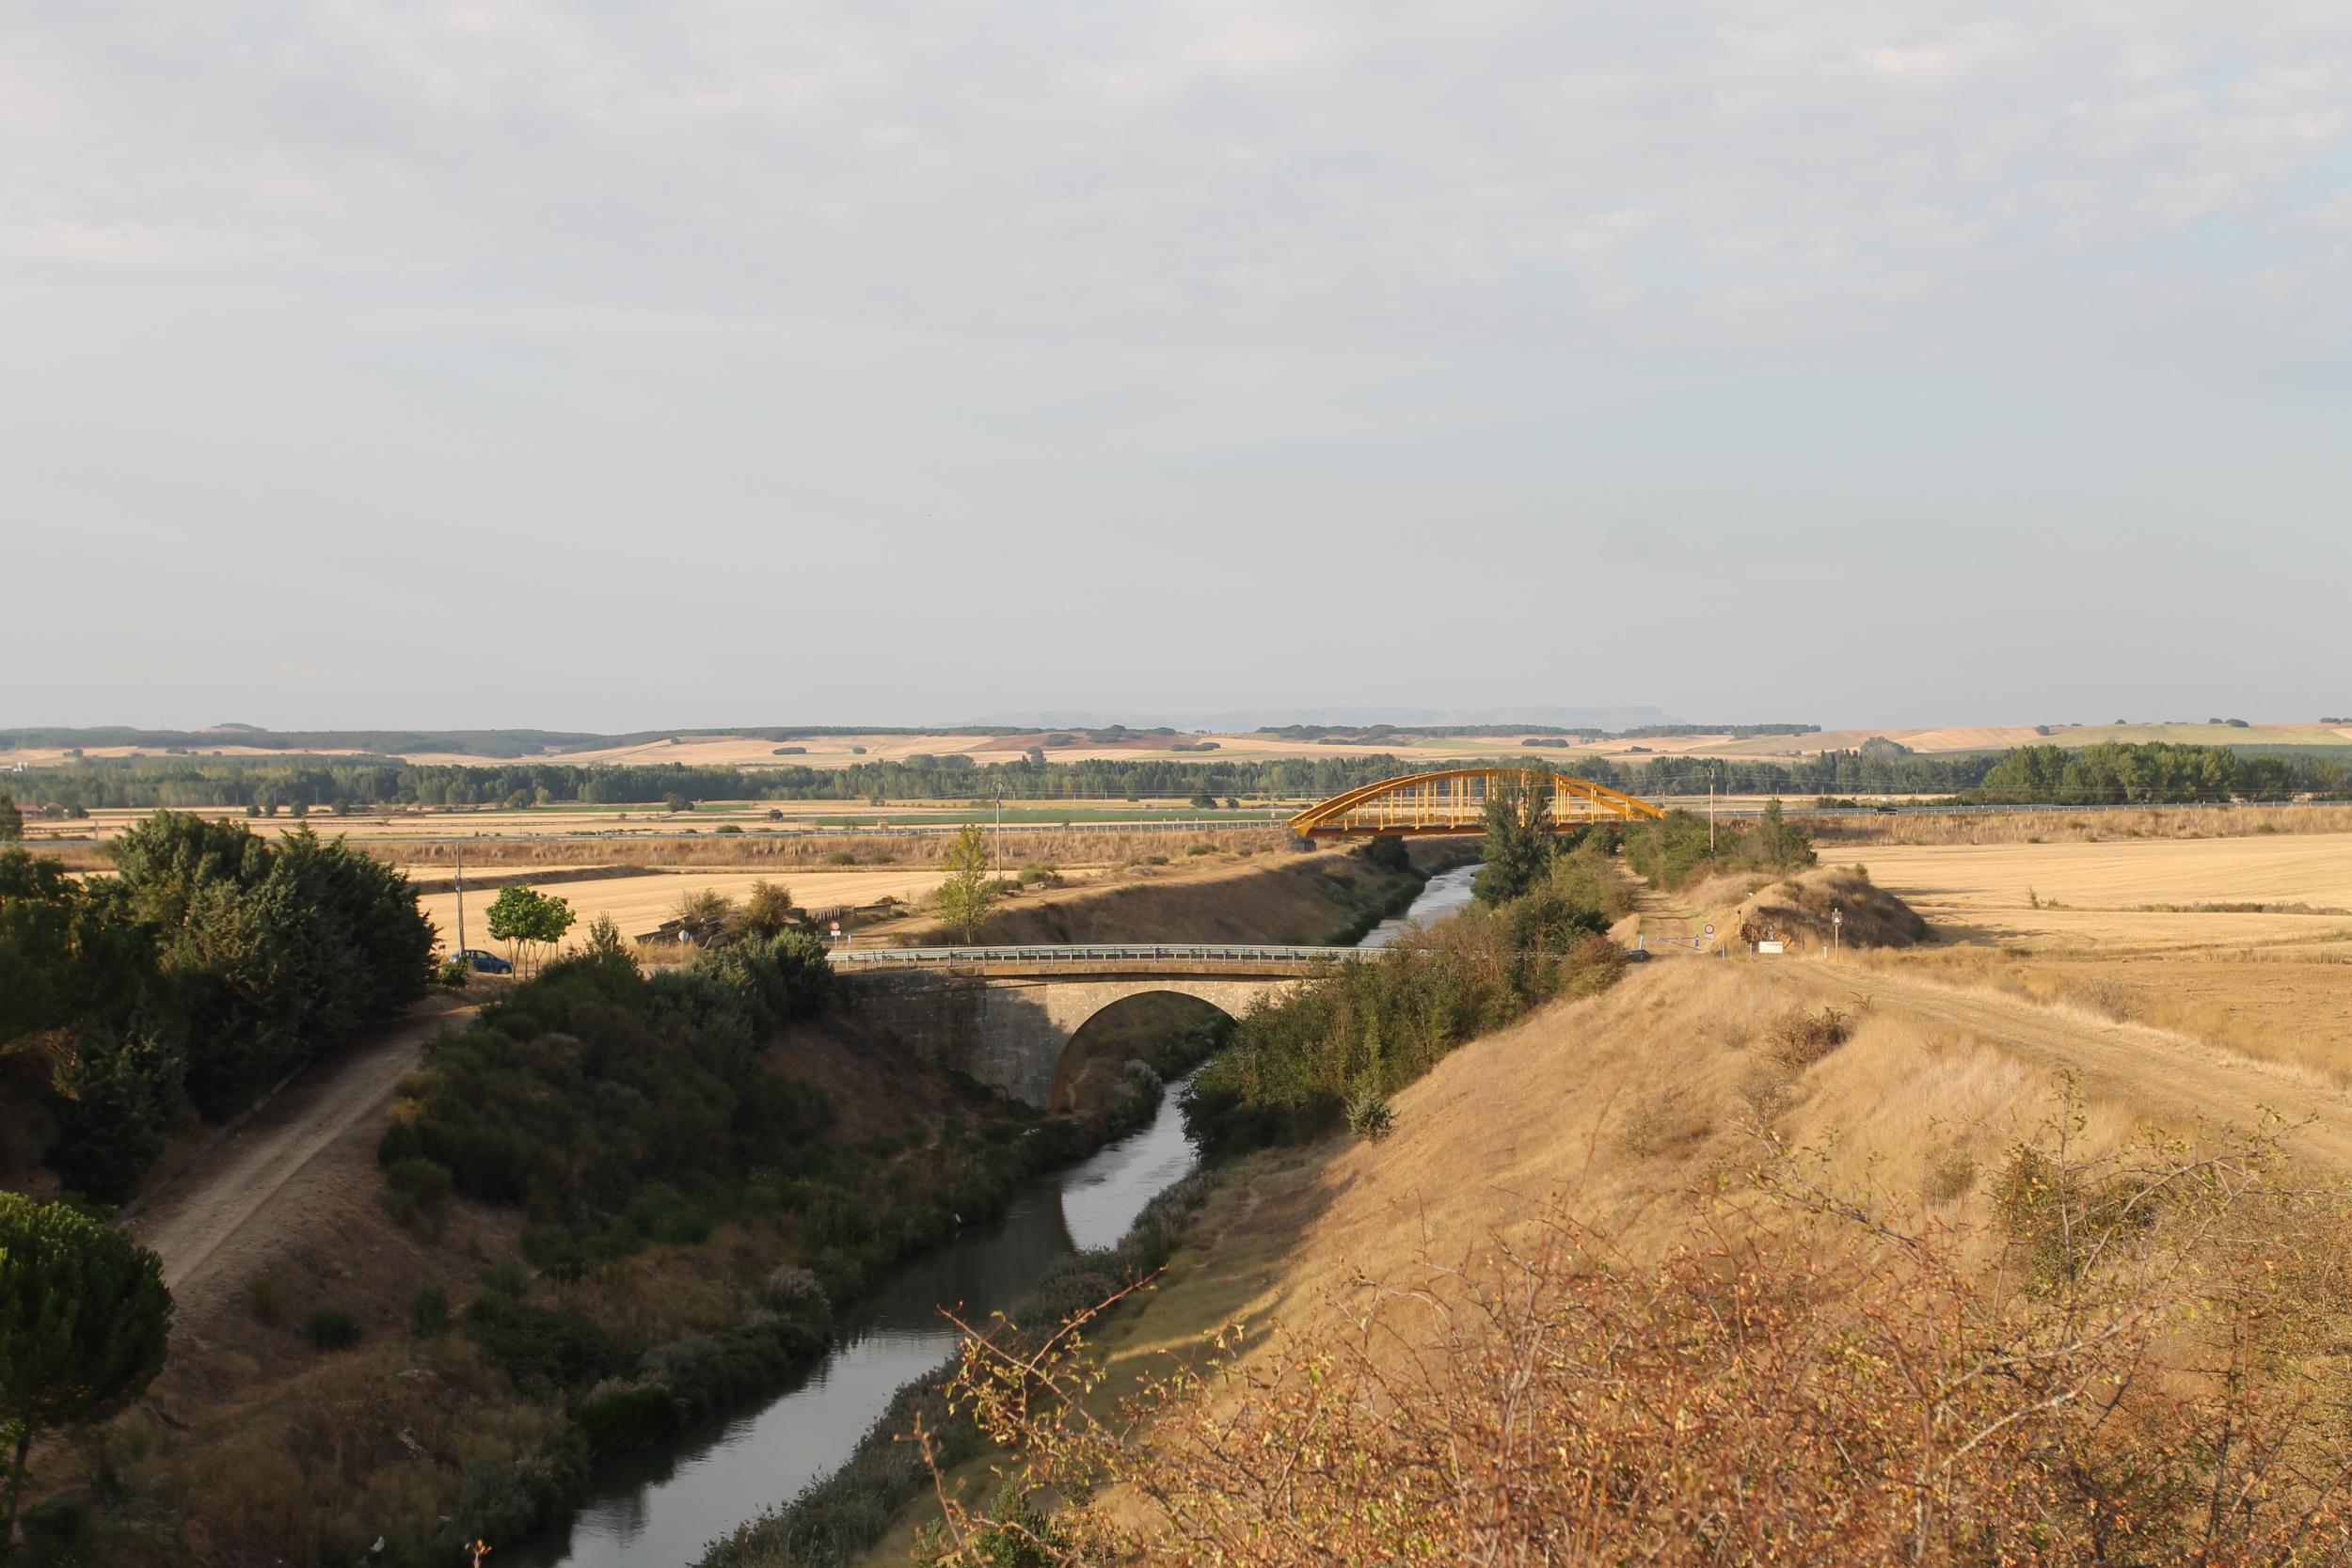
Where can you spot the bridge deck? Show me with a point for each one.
(1197, 959)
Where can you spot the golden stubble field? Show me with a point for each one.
(640, 904)
(2139, 894)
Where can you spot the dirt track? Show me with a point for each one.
(2171, 1076)
(262, 1190)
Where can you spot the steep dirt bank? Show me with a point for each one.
(1688, 1077)
(1291, 897)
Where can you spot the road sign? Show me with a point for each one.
(836, 928)
(1837, 917)
(1771, 947)
(1710, 928)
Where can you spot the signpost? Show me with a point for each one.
(836, 930)
(1837, 929)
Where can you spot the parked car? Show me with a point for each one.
(485, 963)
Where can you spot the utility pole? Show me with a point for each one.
(461, 899)
(1711, 817)
(1000, 830)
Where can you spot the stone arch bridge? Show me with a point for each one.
(1007, 1016)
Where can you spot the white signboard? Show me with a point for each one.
(1771, 947)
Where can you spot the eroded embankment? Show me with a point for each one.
(1313, 897)
(1815, 1173)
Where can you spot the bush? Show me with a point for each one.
(453, 975)
(330, 1328)
(1801, 1038)
(1368, 1116)
(591, 1083)
(416, 1188)
(428, 1313)
(616, 1417)
(507, 1279)
(541, 1349)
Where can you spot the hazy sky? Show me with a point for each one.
(609, 364)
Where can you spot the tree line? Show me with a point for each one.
(2116, 772)
(212, 963)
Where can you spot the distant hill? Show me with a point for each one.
(1243, 721)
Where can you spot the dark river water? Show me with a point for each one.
(659, 1506)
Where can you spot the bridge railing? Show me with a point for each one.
(1191, 952)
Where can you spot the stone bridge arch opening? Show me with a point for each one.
(1138, 1027)
(1012, 1027)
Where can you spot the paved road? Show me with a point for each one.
(254, 1184)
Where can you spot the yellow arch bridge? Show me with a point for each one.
(1453, 804)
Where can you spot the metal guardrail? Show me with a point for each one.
(1234, 953)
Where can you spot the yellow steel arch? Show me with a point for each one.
(1453, 804)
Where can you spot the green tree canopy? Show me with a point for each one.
(84, 1319)
(527, 920)
(963, 899)
(1520, 842)
(11, 821)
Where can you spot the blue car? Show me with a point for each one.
(485, 963)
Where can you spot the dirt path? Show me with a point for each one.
(2169, 1076)
(262, 1183)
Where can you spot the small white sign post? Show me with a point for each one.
(1837, 929)
(836, 930)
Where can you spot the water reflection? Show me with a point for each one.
(1444, 894)
(660, 1505)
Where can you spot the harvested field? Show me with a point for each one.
(2143, 895)
(639, 904)
(2087, 827)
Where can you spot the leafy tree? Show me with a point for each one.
(11, 821)
(84, 1319)
(964, 897)
(704, 914)
(527, 920)
(604, 945)
(767, 910)
(1520, 842)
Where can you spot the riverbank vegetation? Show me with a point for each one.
(925, 1430)
(1334, 1052)
(208, 966)
(1683, 848)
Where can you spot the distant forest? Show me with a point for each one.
(2103, 774)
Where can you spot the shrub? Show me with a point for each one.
(1800, 1038)
(541, 1349)
(796, 1291)
(453, 975)
(1368, 1116)
(416, 1188)
(330, 1328)
(506, 1279)
(617, 1416)
(428, 1313)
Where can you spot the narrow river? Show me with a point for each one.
(659, 1507)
